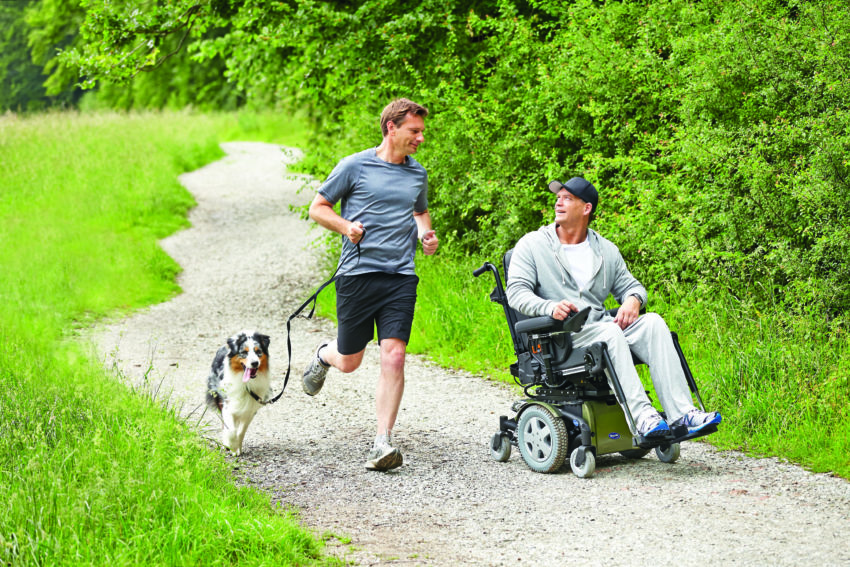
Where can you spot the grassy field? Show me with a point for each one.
(781, 383)
(91, 473)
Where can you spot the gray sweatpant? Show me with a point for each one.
(649, 338)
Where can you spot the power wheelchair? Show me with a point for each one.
(571, 406)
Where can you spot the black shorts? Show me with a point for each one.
(374, 299)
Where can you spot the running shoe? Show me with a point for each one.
(314, 375)
(653, 426)
(695, 420)
(384, 456)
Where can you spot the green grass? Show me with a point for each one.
(90, 472)
(781, 382)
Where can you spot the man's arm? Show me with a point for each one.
(426, 235)
(629, 293)
(628, 312)
(322, 211)
(522, 281)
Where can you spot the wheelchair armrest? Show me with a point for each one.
(543, 324)
(546, 324)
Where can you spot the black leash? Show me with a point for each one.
(298, 311)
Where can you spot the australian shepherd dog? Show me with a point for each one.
(238, 384)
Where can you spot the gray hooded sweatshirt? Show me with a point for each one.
(539, 276)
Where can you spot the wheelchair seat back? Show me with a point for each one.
(543, 345)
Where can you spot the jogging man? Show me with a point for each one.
(384, 202)
(564, 267)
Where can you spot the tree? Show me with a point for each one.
(20, 79)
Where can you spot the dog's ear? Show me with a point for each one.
(264, 341)
(231, 344)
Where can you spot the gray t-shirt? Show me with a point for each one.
(383, 196)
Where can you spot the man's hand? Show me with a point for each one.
(563, 309)
(429, 242)
(355, 231)
(628, 313)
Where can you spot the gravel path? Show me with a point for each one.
(247, 264)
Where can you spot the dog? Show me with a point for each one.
(239, 384)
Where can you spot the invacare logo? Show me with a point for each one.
(614, 435)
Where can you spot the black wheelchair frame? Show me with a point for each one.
(574, 403)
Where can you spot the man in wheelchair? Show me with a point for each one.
(566, 267)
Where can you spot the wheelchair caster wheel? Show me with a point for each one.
(587, 468)
(667, 453)
(542, 439)
(500, 447)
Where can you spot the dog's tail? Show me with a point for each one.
(215, 397)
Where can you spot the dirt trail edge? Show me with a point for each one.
(248, 263)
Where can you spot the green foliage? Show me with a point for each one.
(456, 323)
(53, 26)
(716, 131)
(118, 27)
(20, 79)
(140, 80)
(762, 166)
(41, 40)
(91, 473)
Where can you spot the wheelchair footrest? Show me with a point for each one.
(682, 434)
(654, 441)
(677, 435)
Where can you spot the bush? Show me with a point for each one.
(716, 132)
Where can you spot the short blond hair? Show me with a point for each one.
(396, 112)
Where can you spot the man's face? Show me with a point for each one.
(407, 137)
(570, 210)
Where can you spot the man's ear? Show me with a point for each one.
(391, 127)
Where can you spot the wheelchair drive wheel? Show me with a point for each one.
(500, 447)
(542, 439)
(586, 468)
(667, 453)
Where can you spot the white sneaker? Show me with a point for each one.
(384, 456)
(314, 375)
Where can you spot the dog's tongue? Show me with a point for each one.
(247, 375)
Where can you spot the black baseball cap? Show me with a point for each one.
(580, 187)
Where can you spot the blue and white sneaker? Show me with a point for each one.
(695, 420)
(653, 426)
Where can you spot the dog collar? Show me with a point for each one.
(255, 396)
